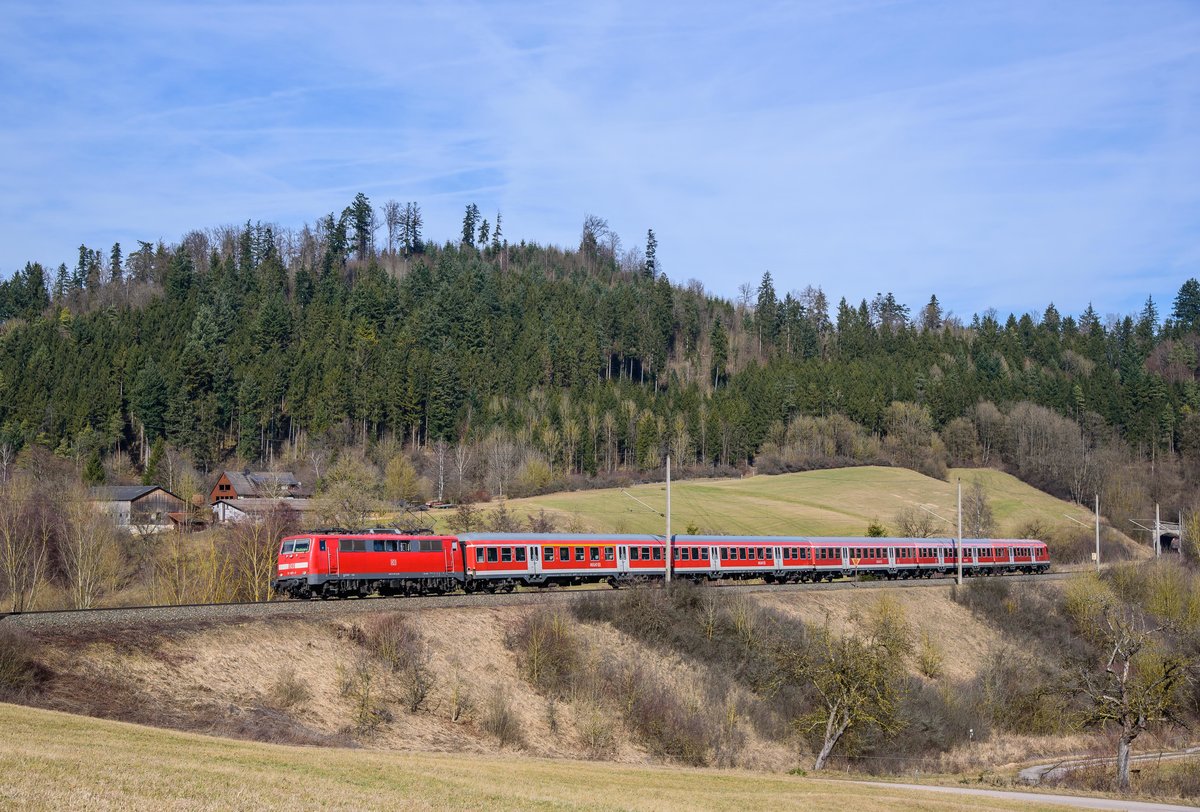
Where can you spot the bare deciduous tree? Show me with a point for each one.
(26, 534)
(253, 550)
(915, 523)
(978, 519)
(1136, 684)
(88, 552)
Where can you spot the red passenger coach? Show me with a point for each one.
(501, 561)
(344, 564)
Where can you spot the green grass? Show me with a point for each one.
(838, 502)
(52, 761)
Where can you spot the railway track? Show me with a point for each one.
(140, 616)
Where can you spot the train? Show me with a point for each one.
(386, 561)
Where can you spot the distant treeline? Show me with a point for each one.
(252, 345)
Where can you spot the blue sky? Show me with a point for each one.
(1002, 154)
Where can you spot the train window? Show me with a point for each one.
(704, 553)
(658, 553)
(377, 546)
(520, 554)
(288, 546)
(578, 553)
(564, 553)
(678, 553)
(608, 553)
(491, 554)
(686, 553)
(506, 553)
(635, 553)
(548, 554)
(302, 546)
(321, 545)
(645, 553)
(593, 554)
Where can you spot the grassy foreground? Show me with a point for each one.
(57, 761)
(836, 502)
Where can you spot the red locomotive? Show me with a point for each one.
(334, 563)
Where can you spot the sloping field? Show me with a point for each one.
(57, 761)
(835, 502)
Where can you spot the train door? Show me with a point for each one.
(535, 559)
(845, 556)
(330, 546)
(622, 558)
(714, 558)
(891, 554)
(941, 556)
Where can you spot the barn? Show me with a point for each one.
(138, 507)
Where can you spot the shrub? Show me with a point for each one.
(501, 721)
(930, 658)
(18, 670)
(287, 690)
(548, 650)
(405, 652)
(595, 727)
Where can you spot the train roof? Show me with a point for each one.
(554, 538)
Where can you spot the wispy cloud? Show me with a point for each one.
(1001, 154)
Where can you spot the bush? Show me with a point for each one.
(548, 651)
(501, 721)
(18, 669)
(405, 652)
(287, 690)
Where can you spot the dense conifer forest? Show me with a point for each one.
(508, 368)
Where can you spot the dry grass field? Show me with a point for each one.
(57, 761)
(834, 502)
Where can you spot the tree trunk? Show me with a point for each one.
(1123, 762)
(834, 728)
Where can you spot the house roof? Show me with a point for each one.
(124, 493)
(263, 505)
(262, 483)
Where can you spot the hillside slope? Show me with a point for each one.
(840, 501)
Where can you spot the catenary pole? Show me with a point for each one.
(1097, 532)
(958, 549)
(1157, 532)
(669, 560)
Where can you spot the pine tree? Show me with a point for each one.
(496, 234)
(485, 231)
(93, 472)
(61, 283)
(153, 473)
(766, 312)
(470, 221)
(719, 341)
(651, 254)
(116, 269)
(1186, 311)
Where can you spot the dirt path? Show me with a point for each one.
(1057, 769)
(1076, 801)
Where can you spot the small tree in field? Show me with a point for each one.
(1139, 677)
(857, 678)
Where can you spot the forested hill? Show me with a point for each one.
(245, 346)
